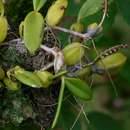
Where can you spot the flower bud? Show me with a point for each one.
(78, 27)
(93, 29)
(92, 26)
(58, 61)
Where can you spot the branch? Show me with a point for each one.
(106, 53)
(69, 31)
(18, 40)
(105, 13)
(49, 50)
(85, 36)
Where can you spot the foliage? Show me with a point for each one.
(61, 70)
(90, 7)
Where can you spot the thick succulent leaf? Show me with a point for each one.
(112, 63)
(14, 86)
(28, 78)
(21, 28)
(46, 78)
(3, 28)
(33, 31)
(79, 88)
(73, 53)
(38, 4)
(56, 12)
(90, 7)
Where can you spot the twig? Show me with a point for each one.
(86, 36)
(60, 74)
(48, 66)
(70, 32)
(78, 116)
(107, 52)
(104, 14)
(54, 104)
(106, 71)
(18, 40)
(49, 50)
(82, 108)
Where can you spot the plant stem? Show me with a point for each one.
(84, 36)
(60, 74)
(59, 103)
(105, 13)
(48, 66)
(49, 50)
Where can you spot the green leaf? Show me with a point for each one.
(90, 7)
(33, 31)
(79, 88)
(100, 121)
(112, 63)
(38, 4)
(1, 8)
(74, 7)
(28, 78)
(124, 9)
